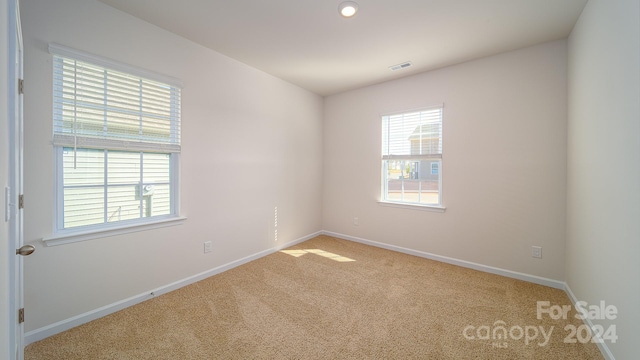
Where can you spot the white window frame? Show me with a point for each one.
(63, 235)
(384, 201)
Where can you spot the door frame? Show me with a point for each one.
(15, 118)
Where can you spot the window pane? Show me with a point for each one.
(157, 201)
(83, 206)
(156, 190)
(429, 176)
(412, 181)
(83, 194)
(123, 168)
(88, 169)
(156, 168)
(123, 203)
(395, 180)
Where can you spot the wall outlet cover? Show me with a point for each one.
(536, 252)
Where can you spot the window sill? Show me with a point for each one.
(432, 208)
(71, 237)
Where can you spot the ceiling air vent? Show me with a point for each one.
(404, 65)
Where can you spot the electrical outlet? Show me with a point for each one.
(207, 247)
(536, 252)
(356, 221)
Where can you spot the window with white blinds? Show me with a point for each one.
(95, 107)
(117, 141)
(412, 157)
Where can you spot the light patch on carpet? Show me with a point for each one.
(328, 255)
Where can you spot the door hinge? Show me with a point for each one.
(20, 86)
(21, 201)
(21, 316)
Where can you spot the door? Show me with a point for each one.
(15, 182)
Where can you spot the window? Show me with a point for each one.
(412, 157)
(117, 141)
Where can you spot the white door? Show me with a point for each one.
(15, 181)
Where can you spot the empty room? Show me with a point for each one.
(320, 179)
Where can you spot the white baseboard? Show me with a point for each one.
(467, 264)
(49, 330)
(604, 349)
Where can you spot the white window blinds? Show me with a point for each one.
(412, 135)
(97, 107)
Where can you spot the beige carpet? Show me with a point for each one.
(330, 299)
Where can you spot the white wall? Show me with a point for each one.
(503, 166)
(251, 142)
(603, 199)
(5, 243)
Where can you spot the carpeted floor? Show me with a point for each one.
(332, 299)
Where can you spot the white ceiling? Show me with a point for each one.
(307, 43)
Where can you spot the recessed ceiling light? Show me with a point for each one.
(348, 8)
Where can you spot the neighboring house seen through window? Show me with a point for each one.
(412, 157)
(117, 141)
